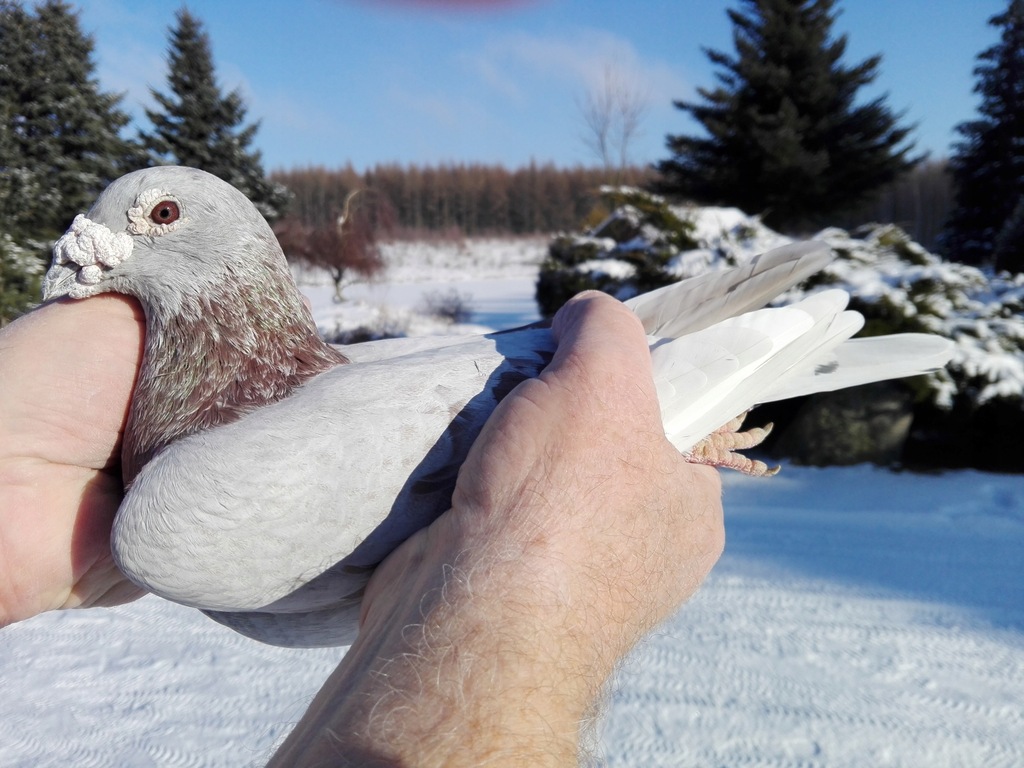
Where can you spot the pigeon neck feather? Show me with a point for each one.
(217, 356)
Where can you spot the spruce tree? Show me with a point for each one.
(60, 142)
(988, 161)
(20, 184)
(200, 127)
(63, 132)
(784, 134)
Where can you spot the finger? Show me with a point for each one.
(603, 351)
(66, 374)
(595, 323)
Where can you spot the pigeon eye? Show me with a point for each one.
(165, 212)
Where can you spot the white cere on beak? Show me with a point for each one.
(90, 275)
(81, 255)
(89, 244)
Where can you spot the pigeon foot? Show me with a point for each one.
(719, 449)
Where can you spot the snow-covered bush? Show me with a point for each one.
(894, 282)
(627, 253)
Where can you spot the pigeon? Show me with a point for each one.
(267, 473)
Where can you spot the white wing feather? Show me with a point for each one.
(861, 361)
(766, 346)
(699, 302)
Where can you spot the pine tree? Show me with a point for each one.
(988, 162)
(60, 142)
(784, 135)
(62, 132)
(200, 127)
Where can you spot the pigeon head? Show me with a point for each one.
(226, 328)
(162, 234)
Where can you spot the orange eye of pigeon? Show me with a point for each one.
(165, 212)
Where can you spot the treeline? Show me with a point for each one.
(470, 199)
(483, 199)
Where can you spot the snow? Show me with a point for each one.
(23, 260)
(714, 224)
(616, 268)
(859, 617)
(496, 277)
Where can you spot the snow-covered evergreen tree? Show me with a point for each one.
(63, 132)
(198, 126)
(988, 161)
(60, 141)
(784, 134)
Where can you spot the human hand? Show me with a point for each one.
(575, 528)
(66, 376)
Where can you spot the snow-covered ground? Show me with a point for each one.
(859, 617)
(494, 277)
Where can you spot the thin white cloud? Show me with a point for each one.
(495, 76)
(440, 110)
(132, 67)
(283, 111)
(578, 60)
(554, 74)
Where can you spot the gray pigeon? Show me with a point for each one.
(267, 473)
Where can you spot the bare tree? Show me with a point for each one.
(612, 112)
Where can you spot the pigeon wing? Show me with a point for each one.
(329, 480)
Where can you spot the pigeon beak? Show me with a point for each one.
(61, 280)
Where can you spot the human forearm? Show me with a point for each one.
(465, 667)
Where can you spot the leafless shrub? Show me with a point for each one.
(346, 248)
(450, 306)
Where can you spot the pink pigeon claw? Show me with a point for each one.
(267, 473)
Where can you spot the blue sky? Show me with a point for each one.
(374, 81)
